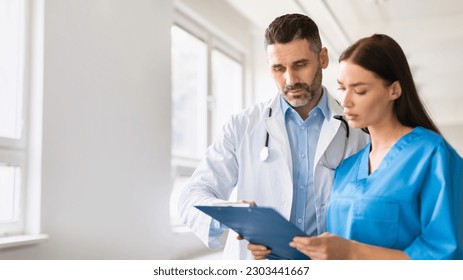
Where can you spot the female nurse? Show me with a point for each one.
(401, 197)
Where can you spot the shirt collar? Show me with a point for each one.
(321, 106)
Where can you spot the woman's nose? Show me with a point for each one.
(346, 100)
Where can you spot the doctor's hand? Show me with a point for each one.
(259, 252)
(250, 202)
(326, 246)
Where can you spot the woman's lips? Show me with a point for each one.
(350, 116)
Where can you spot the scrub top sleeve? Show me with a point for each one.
(440, 210)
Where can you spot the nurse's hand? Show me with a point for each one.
(259, 252)
(326, 246)
(332, 247)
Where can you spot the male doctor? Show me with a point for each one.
(281, 153)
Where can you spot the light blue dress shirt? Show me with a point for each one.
(412, 202)
(303, 138)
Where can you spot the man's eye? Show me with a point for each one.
(360, 92)
(341, 89)
(278, 69)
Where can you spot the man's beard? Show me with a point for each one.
(307, 95)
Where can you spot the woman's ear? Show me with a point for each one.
(323, 58)
(396, 90)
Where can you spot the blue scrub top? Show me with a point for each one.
(412, 202)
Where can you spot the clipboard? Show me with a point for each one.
(260, 225)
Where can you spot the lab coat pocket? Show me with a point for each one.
(375, 222)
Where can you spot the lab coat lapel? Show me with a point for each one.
(275, 126)
(329, 129)
(282, 162)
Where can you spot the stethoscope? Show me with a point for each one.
(344, 122)
(340, 157)
(264, 153)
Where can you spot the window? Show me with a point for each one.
(11, 60)
(12, 150)
(207, 87)
(227, 88)
(19, 157)
(189, 94)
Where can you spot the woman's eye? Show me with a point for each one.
(360, 92)
(341, 89)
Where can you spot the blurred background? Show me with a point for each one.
(106, 107)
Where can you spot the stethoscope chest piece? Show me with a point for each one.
(264, 154)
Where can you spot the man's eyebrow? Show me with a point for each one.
(305, 60)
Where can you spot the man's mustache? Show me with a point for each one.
(296, 86)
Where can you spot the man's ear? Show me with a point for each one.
(323, 58)
(396, 90)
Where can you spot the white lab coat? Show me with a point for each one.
(233, 161)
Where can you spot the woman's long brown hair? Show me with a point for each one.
(383, 56)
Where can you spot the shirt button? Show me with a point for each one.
(315, 114)
(299, 221)
(302, 155)
(303, 127)
(301, 187)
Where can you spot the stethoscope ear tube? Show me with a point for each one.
(264, 153)
(343, 154)
(344, 122)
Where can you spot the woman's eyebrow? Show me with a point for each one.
(355, 84)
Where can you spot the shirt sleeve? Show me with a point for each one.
(441, 201)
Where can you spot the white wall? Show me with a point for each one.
(106, 134)
(454, 135)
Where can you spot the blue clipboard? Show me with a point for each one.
(260, 225)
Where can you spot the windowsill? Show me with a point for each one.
(22, 240)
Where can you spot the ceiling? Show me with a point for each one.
(429, 31)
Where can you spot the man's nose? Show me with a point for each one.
(291, 77)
